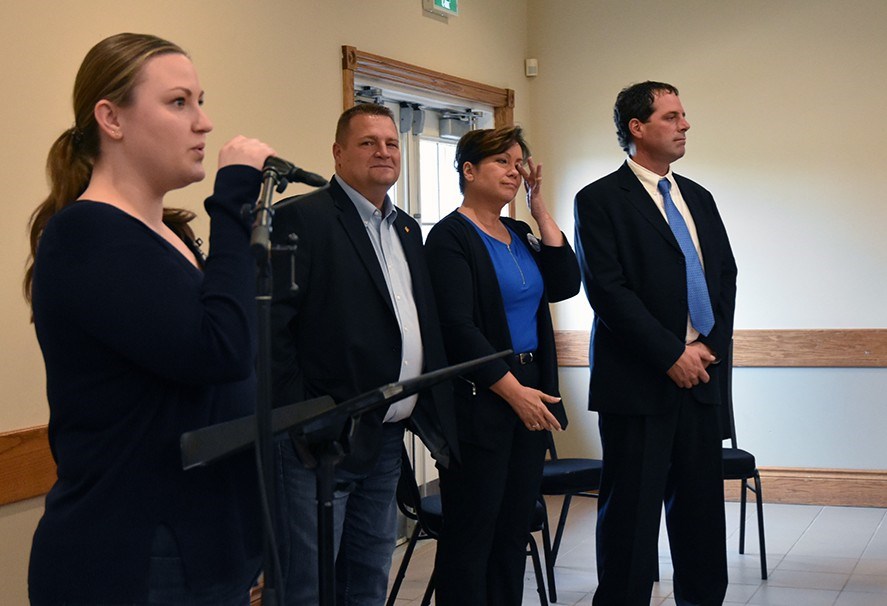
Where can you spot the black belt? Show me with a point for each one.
(525, 358)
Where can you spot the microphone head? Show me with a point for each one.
(277, 164)
(311, 179)
(289, 172)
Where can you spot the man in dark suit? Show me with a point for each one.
(660, 275)
(363, 316)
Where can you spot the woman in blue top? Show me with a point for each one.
(493, 279)
(143, 340)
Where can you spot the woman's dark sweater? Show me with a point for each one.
(141, 346)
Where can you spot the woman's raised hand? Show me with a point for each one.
(532, 175)
(548, 229)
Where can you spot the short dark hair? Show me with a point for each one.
(361, 109)
(476, 145)
(636, 101)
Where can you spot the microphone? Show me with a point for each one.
(289, 172)
(276, 174)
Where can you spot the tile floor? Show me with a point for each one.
(816, 556)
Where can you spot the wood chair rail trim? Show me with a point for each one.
(817, 348)
(27, 468)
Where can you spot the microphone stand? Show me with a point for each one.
(276, 173)
(317, 428)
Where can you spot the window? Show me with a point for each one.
(438, 181)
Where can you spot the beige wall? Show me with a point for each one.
(786, 105)
(786, 102)
(785, 98)
(271, 69)
(17, 524)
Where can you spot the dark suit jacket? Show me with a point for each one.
(338, 335)
(635, 279)
(474, 321)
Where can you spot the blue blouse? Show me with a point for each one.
(520, 282)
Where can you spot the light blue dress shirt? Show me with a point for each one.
(389, 252)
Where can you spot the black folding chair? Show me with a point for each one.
(428, 515)
(740, 464)
(568, 478)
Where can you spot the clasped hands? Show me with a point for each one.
(691, 368)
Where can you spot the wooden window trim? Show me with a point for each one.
(360, 63)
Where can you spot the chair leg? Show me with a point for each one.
(429, 590)
(547, 552)
(402, 569)
(561, 524)
(742, 500)
(760, 500)
(537, 568)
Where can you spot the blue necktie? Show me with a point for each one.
(697, 290)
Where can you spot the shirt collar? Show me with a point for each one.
(365, 208)
(647, 177)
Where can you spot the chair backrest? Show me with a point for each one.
(550, 447)
(409, 499)
(728, 426)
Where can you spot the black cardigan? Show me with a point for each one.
(141, 346)
(474, 323)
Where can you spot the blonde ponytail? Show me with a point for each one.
(68, 170)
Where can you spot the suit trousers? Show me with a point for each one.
(488, 503)
(675, 458)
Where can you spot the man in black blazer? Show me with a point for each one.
(653, 361)
(363, 315)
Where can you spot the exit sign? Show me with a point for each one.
(446, 8)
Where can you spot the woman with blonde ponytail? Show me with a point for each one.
(143, 339)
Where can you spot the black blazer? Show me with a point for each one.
(474, 322)
(338, 335)
(634, 276)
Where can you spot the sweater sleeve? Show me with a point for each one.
(123, 285)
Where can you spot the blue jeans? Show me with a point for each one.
(365, 518)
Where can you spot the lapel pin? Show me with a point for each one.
(406, 228)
